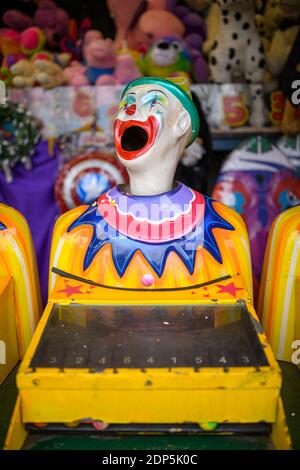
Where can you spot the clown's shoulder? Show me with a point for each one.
(231, 216)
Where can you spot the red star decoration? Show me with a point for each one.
(70, 290)
(230, 289)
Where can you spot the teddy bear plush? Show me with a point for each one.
(24, 73)
(238, 52)
(49, 74)
(45, 73)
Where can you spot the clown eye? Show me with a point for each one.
(291, 197)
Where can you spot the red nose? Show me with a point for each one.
(130, 110)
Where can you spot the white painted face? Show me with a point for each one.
(150, 124)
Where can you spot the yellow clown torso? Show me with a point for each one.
(175, 240)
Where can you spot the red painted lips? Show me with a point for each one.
(133, 138)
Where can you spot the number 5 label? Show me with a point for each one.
(236, 113)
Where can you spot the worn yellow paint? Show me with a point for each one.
(17, 261)
(9, 350)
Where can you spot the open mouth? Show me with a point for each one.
(133, 138)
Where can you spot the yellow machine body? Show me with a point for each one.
(176, 395)
(187, 392)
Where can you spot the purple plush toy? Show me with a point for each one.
(194, 37)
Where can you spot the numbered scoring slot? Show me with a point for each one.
(53, 356)
(77, 356)
(101, 354)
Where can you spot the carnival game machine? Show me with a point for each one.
(150, 325)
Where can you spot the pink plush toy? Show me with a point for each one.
(126, 69)
(102, 65)
(75, 74)
(100, 61)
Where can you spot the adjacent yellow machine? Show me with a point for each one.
(20, 304)
(279, 302)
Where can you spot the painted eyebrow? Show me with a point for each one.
(160, 91)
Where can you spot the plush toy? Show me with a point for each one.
(72, 43)
(102, 65)
(126, 68)
(91, 35)
(166, 58)
(238, 51)
(32, 40)
(49, 74)
(280, 47)
(124, 15)
(276, 13)
(10, 48)
(195, 28)
(144, 28)
(100, 61)
(75, 74)
(23, 73)
(51, 19)
(141, 26)
(54, 22)
(17, 20)
(40, 72)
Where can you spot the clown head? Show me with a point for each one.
(157, 119)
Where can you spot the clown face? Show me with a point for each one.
(149, 123)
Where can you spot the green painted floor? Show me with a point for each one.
(291, 398)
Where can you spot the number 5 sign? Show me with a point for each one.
(236, 113)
